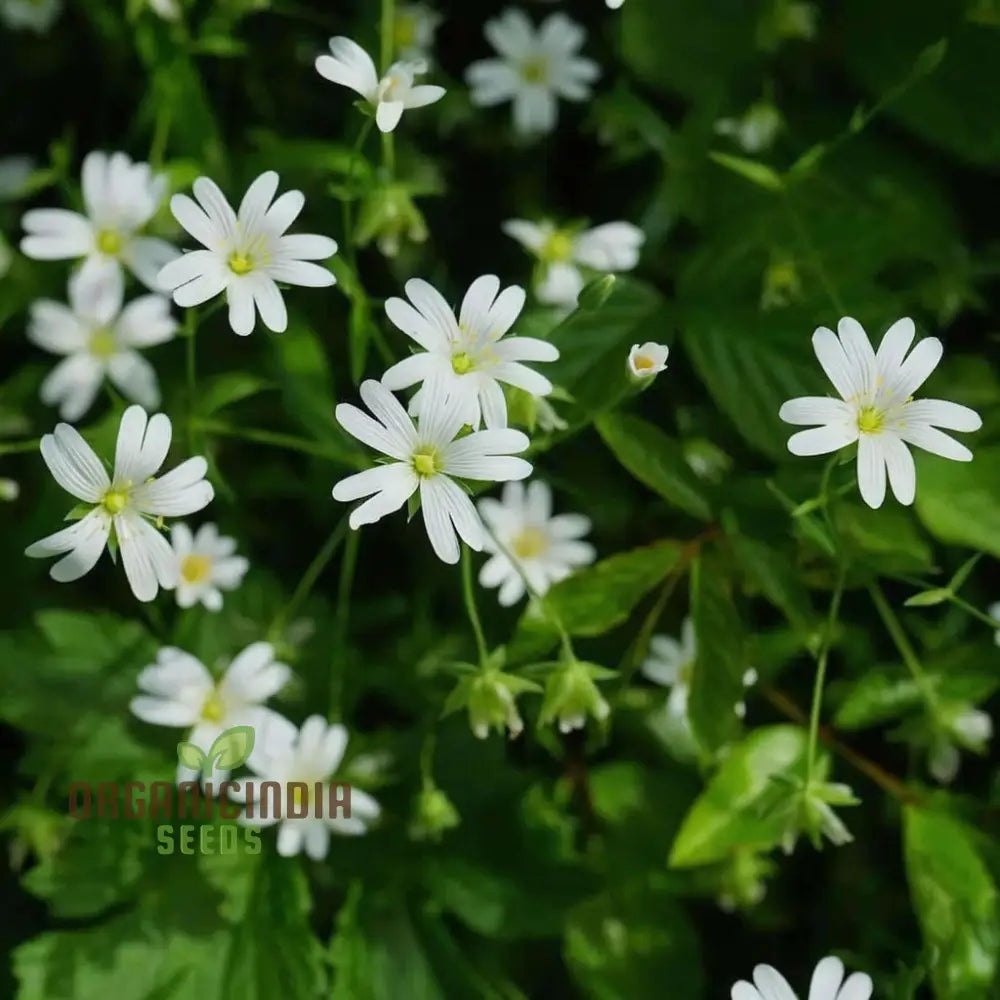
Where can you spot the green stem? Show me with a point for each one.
(18, 447)
(161, 131)
(278, 440)
(427, 760)
(341, 619)
(191, 329)
(821, 661)
(902, 643)
(388, 31)
(389, 154)
(308, 580)
(348, 202)
(470, 606)
(970, 609)
(817, 260)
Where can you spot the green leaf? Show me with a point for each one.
(773, 571)
(879, 696)
(232, 747)
(752, 170)
(220, 391)
(885, 541)
(191, 755)
(303, 372)
(727, 816)
(717, 674)
(655, 460)
(956, 902)
(959, 502)
(596, 599)
(929, 598)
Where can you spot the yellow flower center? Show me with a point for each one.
(643, 363)
(240, 263)
(462, 363)
(558, 247)
(102, 344)
(870, 420)
(214, 709)
(109, 242)
(530, 543)
(115, 500)
(534, 71)
(195, 568)
(425, 462)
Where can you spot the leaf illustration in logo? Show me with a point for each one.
(232, 747)
(191, 755)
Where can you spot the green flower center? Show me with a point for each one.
(530, 543)
(870, 420)
(102, 343)
(115, 500)
(462, 363)
(425, 462)
(109, 242)
(240, 263)
(214, 710)
(558, 247)
(534, 71)
(195, 568)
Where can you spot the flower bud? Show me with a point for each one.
(571, 696)
(433, 814)
(388, 216)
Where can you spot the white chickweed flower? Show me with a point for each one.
(647, 360)
(350, 66)
(964, 728)
(607, 249)
(756, 130)
(414, 28)
(534, 70)
(426, 457)
(206, 565)
(36, 15)
(178, 690)
(100, 339)
(522, 527)
(10, 490)
(124, 503)
(469, 356)
(614, 4)
(169, 10)
(670, 664)
(246, 253)
(119, 197)
(876, 408)
(828, 983)
(309, 756)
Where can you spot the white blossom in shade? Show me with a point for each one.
(36, 15)
(828, 983)
(415, 26)
(525, 540)
(647, 360)
(994, 612)
(754, 131)
(876, 408)
(614, 4)
(670, 664)
(350, 66)
(178, 690)
(99, 340)
(246, 253)
(119, 197)
(426, 458)
(169, 10)
(15, 171)
(10, 489)
(206, 565)
(606, 249)
(124, 503)
(534, 69)
(963, 728)
(309, 755)
(469, 354)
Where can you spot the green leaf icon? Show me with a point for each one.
(190, 755)
(232, 747)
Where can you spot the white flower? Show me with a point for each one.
(122, 503)
(415, 27)
(965, 728)
(756, 130)
(350, 66)
(10, 489)
(876, 409)
(535, 68)
(180, 691)
(100, 339)
(120, 197)
(606, 249)
(994, 612)
(206, 565)
(827, 983)
(614, 4)
(310, 755)
(647, 360)
(469, 355)
(546, 548)
(245, 254)
(429, 459)
(38, 15)
(169, 10)
(670, 664)
(15, 172)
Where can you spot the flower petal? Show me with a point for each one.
(182, 491)
(814, 410)
(143, 443)
(826, 979)
(73, 464)
(902, 472)
(822, 440)
(146, 555)
(871, 469)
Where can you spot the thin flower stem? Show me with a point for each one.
(341, 620)
(470, 607)
(902, 643)
(348, 202)
(388, 32)
(970, 609)
(18, 447)
(821, 661)
(308, 580)
(817, 261)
